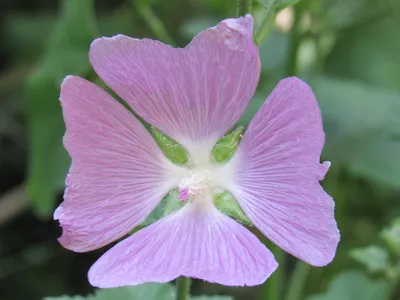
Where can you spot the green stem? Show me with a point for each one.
(272, 289)
(156, 25)
(266, 24)
(394, 285)
(244, 7)
(183, 287)
(297, 281)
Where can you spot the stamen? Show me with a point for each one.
(194, 185)
(183, 194)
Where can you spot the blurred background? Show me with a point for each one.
(347, 50)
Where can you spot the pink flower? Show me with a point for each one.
(194, 95)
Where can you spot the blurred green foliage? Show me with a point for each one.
(148, 291)
(347, 50)
(353, 285)
(375, 258)
(66, 53)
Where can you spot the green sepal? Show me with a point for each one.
(168, 205)
(223, 200)
(172, 149)
(156, 214)
(226, 147)
(172, 203)
(228, 205)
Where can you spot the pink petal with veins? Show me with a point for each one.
(192, 242)
(192, 94)
(107, 194)
(277, 171)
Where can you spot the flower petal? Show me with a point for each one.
(276, 172)
(193, 242)
(118, 174)
(194, 94)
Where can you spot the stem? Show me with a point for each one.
(297, 281)
(244, 7)
(394, 285)
(393, 291)
(156, 25)
(267, 23)
(183, 287)
(272, 289)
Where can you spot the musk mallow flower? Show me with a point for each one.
(194, 95)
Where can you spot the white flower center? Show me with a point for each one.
(196, 184)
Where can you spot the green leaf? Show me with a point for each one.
(26, 34)
(369, 52)
(274, 52)
(145, 2)
(344, 13)
(391, 235)
(192, 27)
(375, 258)
(227, 204)
(226, 147)
(147, 291)
(211, 298)
(362, 128)
(221, 7)
(172, 150)
(67, 53)
(351, 285)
